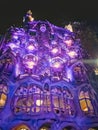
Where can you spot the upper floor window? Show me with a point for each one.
(79, 73)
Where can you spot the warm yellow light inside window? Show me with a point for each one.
(3, 100)
(83, 105)
(21, 127)
(85, 102)
(39, 102)
(89, 105)
(72, 54)
(45, 128)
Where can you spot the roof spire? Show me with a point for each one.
(28, 17)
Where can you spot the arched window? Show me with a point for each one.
(21, 127)
(7, 63)
(3, 95)
(86, 101)
(79, 73)
(45, 127)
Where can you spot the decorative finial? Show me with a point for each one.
(29, 12)
(28, 17)
(69, 27)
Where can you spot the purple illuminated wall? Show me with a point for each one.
(45, 84)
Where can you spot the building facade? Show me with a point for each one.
(45, 81)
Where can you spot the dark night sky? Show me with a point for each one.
(58, 12)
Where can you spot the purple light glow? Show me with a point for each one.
(53, 42)
(30, 47)
(30, 61)
(55, 50)
(15, 37)
(47, 50)
(43, 28)
(56, 62)
(56, 65)
(69, 42)
(17, 70)
(44, 83)
(29, 64)
(72, 54)
(69, 74)
(13, 46)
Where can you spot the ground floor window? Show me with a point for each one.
(94, 128)
(45, 127)
(21, 127)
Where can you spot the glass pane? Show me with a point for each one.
(47, 103)
(81, 96)
(89, 105)
(37, 109)
(47, 127)
(61, 99)
(83, 105)
(3, 100)
(23, 102)
(30, 102)
(55, 101)
(3, 88)
(38, 100)
(87, 94)
(36, 89)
